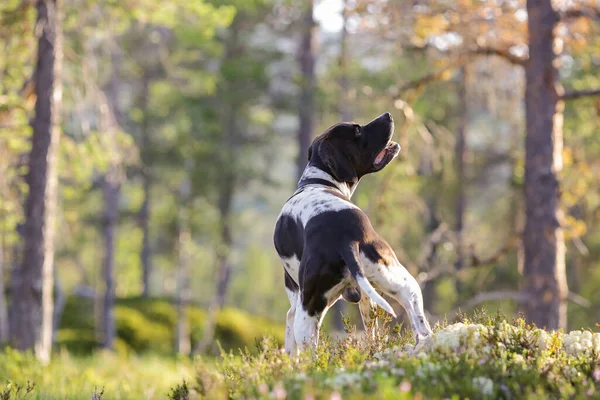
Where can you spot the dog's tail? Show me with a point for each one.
(351, 258)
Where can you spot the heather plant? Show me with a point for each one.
(481, 356)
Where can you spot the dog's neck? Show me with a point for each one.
(312, 172)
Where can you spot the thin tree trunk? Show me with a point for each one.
(59, 305)
(32, 295)
(223, 274)
(544, 280)
(4, 331)
(226, 193)
(182, 332)
(111, 191)
(460, 154)
(223, 268)
(345, 111)
(146, 255)
(307, 88)
(432, 224)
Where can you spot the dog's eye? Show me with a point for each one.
(357, 131)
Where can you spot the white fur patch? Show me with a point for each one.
(306, 328)
(291, 265)
(397, 282)
(313, 201)
(313, 172)
(290, 340)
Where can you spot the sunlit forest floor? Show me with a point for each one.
(103, 375)
(482, 356)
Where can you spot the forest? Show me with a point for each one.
(147, 148)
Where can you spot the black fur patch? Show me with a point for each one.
(289, 283)
(289, 237)
(351, 294)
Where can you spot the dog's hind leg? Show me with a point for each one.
(401, 285)
(290, 341)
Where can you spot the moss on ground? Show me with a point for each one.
(148, 325)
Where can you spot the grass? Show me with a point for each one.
(482, 357)
(148, 325)
(98, 376)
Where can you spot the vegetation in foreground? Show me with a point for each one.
(99, 376)
(480, 357)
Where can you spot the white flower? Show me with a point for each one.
(484, 385)
(542, 340)
(519, 359)
(343, 379)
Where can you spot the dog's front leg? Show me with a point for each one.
(306, 327)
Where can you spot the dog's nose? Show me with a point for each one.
(387, 116)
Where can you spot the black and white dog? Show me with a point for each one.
(327, 244)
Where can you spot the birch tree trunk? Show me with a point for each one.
(33, 283)
(306, 111)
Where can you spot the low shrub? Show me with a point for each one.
(148, 325)
(479, 358)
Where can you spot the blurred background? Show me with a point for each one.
(147, 148)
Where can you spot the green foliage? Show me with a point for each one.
(15, 391)
(180, 392)
(98, 376)
(148, 325)
(484, 356)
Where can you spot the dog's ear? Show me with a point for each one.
(337, 161)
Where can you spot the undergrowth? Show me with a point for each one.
(483, 356)
(102, 375)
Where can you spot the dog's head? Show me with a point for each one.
(348, 151)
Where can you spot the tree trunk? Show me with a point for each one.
(182, 332)
(111, 191)
(59, 305)
(146, 255)
(223, 268)
(544, 280)
(460, 154)
(4, 331)
(32, 295)
(307, 88)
